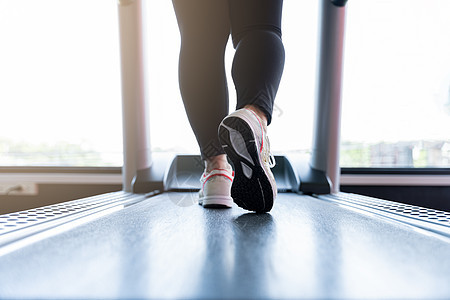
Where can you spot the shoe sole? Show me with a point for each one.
(216, 202)
(251, 188)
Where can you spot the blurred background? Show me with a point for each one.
(60, 88)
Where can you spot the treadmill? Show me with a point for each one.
(151, 240)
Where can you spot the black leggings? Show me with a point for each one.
(205, 26)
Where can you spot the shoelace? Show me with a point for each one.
(267, 156)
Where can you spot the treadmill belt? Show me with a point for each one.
(166, 246)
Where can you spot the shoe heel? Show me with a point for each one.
(251, 189)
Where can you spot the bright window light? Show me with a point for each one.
(60, 83)
(396, 96)
(61, 97)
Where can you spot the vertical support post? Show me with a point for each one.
(326, 138)
(136, 142)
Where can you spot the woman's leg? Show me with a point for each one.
(259, 59)
(257, 67)
(205, 28)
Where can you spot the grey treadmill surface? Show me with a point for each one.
(162, 247)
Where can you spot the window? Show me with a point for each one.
(396, 93)
(61, 98)
(60, 83)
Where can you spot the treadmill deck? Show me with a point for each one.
(165, 246)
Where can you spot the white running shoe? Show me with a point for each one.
(245, 141)
(216, 188)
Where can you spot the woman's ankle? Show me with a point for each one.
(258, 112)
